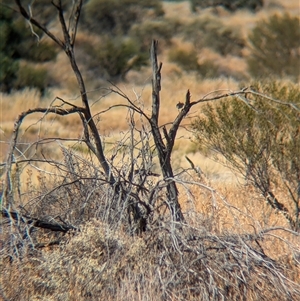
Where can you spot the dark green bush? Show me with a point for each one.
(188, 61)
(9, 37)
(231, 5)
(117, 16)
(17, 42)
(31, 47)
(208, 69)
(185, 59)
(115, 57)
(8, 72)
(32, 77)
(35, 51)
(274, 46)
(211, 32)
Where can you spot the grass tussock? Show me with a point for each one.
(194, 264)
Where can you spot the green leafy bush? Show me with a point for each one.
(117, 16)
(274, 46)
(39, 51)
(17, 42)
(8, 50)
(231, 5)
(32, 47)
(211, 32)
(260, 139)
(188, 61)
(115, 57)
(32, 77)
(8, 72)
(208, 69)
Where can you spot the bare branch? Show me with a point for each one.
(289, 104)
(156, 82)
(39, 25)
(74, 19)
(8, 188)
(35, 222)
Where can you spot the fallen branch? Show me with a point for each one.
(35, 222)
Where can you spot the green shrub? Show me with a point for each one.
(115, 57)
(8, 72)
(117, 16)
(8, 50)
(30, 47)
(231, 5)
(9, 36)
(274, 46)
(39, 51)
(208, 69)
(260, 140)
(188, 61)
(17, 42)
(32, 77)
(41, 10)
(211, 32)
(162, 30)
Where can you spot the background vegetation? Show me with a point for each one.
(259, 139)
(270, 57)
(18, 48)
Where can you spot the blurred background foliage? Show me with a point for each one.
(275, 48)
(210, 31)
(118, 16)
(187, 60)
(17, 44)
(231, 5)
(120, 33)
(113, 57)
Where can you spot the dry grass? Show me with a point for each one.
(103, 261)
(213, 253)
(232, 243)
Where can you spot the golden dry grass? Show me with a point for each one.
(101, 262)
(68, 271)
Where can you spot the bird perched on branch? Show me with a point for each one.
(180, 105)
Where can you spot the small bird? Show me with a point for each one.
(180, 105)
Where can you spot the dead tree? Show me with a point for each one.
(137, 198)
(67, 45)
